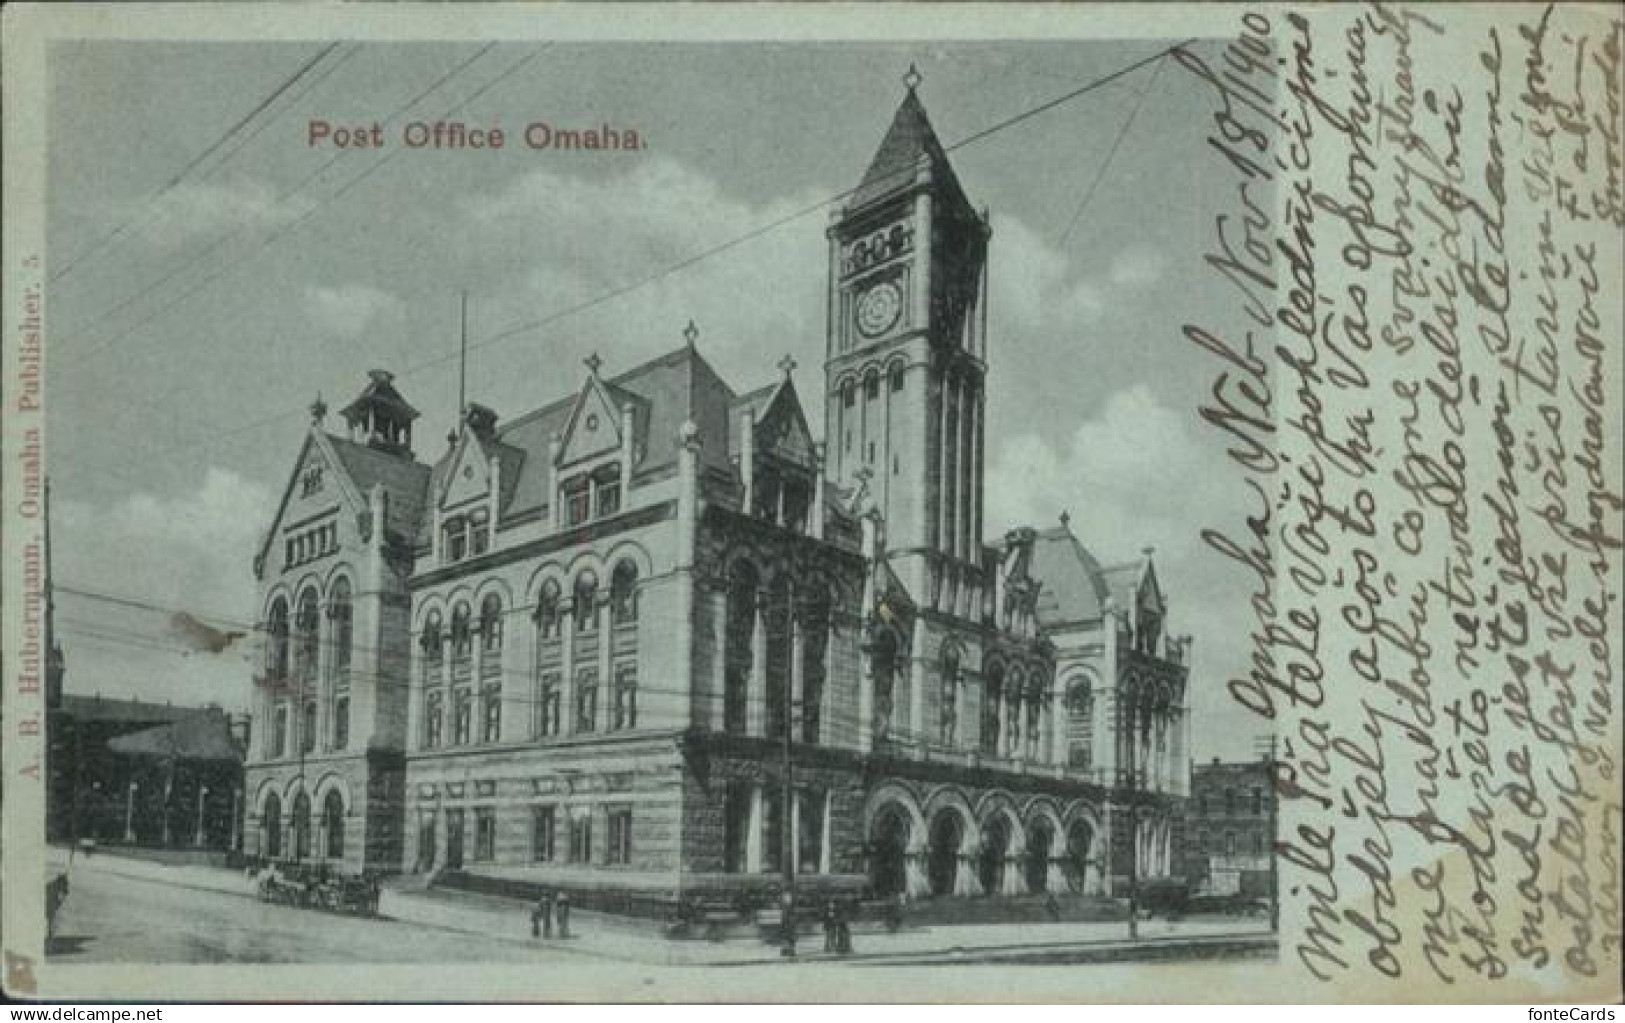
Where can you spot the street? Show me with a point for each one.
(112, 918)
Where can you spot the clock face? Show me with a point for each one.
(878, 308)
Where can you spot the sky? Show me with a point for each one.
(199, 305)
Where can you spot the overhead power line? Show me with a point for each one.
(214, 435)
(152, 201)
(238, 232)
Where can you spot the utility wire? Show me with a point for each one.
(175, 180)
(233, 235)
(216, 435)
(1122, 132)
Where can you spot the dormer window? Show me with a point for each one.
(608, 481)
(479, 533)
(590, 495)
(577, 500)
(456, 538)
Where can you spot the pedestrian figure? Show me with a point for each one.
(541, 916)
(843, 931)
(831, 944)
(563, 905)
(56, 893)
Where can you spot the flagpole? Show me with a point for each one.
(462, 358)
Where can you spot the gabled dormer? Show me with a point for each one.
(593, 457)
(309, 521)
(779, 465)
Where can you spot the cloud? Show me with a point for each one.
(129, 571)
(189, 551)
(1114, 476)
(1137, 267)
(349, 309)
(1130, 476)
(204, 210)
(578, 239)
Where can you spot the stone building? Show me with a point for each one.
(586, 644)
(1229, 828)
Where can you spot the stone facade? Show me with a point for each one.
(599, 643)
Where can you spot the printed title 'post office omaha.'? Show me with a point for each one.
(570, 649)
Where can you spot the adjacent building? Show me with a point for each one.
(602, 640)
(1230, 828)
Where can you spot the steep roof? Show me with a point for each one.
(909, 138)
(202, 735)
(405, 481)
(1074, 587)
(663, 392)
(99, 708)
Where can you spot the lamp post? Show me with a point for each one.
(202, 799)
(787, 817)
(129, 813)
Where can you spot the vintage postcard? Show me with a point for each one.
(549, 502)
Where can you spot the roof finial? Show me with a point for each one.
(912, 77)
(593, 362)
(787, 365)
(691, 333)
(318, 410)
(1148, 550)
(1066, 518)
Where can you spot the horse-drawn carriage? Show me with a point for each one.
(319, 887)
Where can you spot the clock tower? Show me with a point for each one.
(906, 353)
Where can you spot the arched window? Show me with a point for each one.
(342, 615)
(586, 602)
(1080, 725)
(776, 620)
(271, 821)
(883, 665)
(742, 596)
(434, 719)
(623, 593)
(1013, 692)
(305, 638)
(491, 630)
(897, 376)
(462, 642)
(490, 728)
(276, 651)
(948, 700)
(992, 698)
(301, 826)
(333, 824)
(547, 611)
(1037, 696)
(815, 625)
(433, 643)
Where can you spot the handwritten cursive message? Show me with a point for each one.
(1425, 405)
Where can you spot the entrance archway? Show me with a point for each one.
(995, 847)
(1080, 837)
(333, 825)
(889, 846)
(271, 820)
(301, 826)
(1039, 840)
(947, 832)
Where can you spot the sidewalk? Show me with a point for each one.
(213, 879)
(608, 937)
(639, 942)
